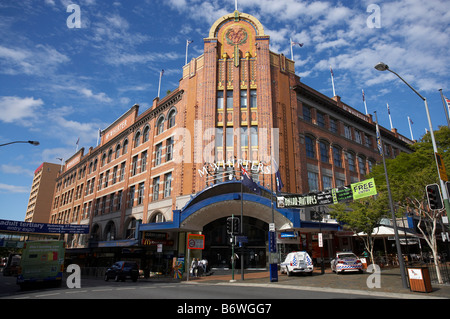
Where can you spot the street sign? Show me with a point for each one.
(196, 241)
(320, 239)
(272, 242)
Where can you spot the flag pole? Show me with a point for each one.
(159, 86)
(391, 206)
(410, 130)
(332, 81)
(292, 51)
(446, 108)
(364, 100)
(389, 113)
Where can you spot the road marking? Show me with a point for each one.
(109, 289)
(126, 288)
(76, 291)
(46, 295)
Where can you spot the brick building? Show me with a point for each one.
(41, 195)
(175, 168)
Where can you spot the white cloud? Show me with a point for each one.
(5, 188)
(13, 108)
(14, 169)
(39, 60)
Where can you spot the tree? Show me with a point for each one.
(408, 176)
(362, 216)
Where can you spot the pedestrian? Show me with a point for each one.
(194, 267)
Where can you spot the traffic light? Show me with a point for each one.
(233, 225)
(229, 225)
(236, 225)
(434, 197)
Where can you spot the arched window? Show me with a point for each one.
(103, 159)
(137, 139)
(158, 218)
(146, 134)
(125, 147)
(160, 125)
(117, 151)
(171, 118)
(110, 231)
(324, 151)
(110, 152)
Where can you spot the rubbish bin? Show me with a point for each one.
(419, 279)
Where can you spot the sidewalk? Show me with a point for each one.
(391, 283)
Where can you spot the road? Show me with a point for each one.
(99, 289)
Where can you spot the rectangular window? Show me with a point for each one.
(362, 165)
(111, 202)
(313, 181)
(141, 189)
(337, 156)
(114, 177)
(351, 162)
(122, 171)
(348, 132)
(131, 196)
(333, 125)
(158, 154)
(327, 182)
(119, 200)
(253, 102)
(106, 178)
(307, 113)
(320, 119)
(134, 165)
(309, 142)
(220, 100)
(169, 149)
(358, 138)
(324, 154)
(144, 161)
(156, 188)
(243, 99)
(167, 184)
(229, 99)
(254, 136)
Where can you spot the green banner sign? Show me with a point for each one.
(364, 189)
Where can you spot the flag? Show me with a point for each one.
(410, 120)
(78, 141)
(331, 70)
(448, 104)
(190, 41)
(248, 182)
(389, 113)
(379, 144)
(297, 43)
(278, 180)
(162, 72)
(364, 97)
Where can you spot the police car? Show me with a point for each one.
(346, 261)
(297, 262)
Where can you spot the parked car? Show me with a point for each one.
(346, 261)
(297, 262)
(122, 270)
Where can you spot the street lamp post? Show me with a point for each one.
(384, 67)
(35, 143)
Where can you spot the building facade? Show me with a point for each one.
(176, 168)
(41, 195)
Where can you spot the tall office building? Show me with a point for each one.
(41, 195)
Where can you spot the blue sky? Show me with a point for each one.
(58, 84)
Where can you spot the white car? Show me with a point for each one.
(346, 261)
(297, 262)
